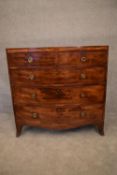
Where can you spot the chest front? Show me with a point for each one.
(58, 88)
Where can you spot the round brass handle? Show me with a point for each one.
(34, 115)
(33, 95)
(82, 114)
(31, 77)
(82, 95)
(83, 76)
(30, 59)
(83, 59)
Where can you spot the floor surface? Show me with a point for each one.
(41, 152)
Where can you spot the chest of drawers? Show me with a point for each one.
(58, 88)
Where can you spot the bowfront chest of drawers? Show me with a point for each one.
(58, 88)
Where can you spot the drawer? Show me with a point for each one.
(79, 58)
(82, 58)
(31, 59)
(57, 76)
(58, 95)
(59, 116)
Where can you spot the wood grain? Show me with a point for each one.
(61, 95)
(82, 58)
(53, 118)
(58, 87)
(49, 76)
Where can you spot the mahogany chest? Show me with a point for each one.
(58, 88)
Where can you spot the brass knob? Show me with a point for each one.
(34, 115)
(83, 59)
(31, 77)
(82, 95)
(82, 114)
(30, 59)
(33, 95)
(83, 76)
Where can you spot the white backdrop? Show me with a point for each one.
(41, 23)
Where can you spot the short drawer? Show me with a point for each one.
(61, 95)
(52, 76)
(79, 58)
(82, 58)
(57, 117)
(31, 58)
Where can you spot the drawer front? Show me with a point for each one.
(82, 58)
(58, 95)
(61, 115)
(32, 59)
(57, 76)
(73, 58)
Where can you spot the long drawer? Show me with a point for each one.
(62, 116)
(77, 57)
(58, 95)
(49, 76)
